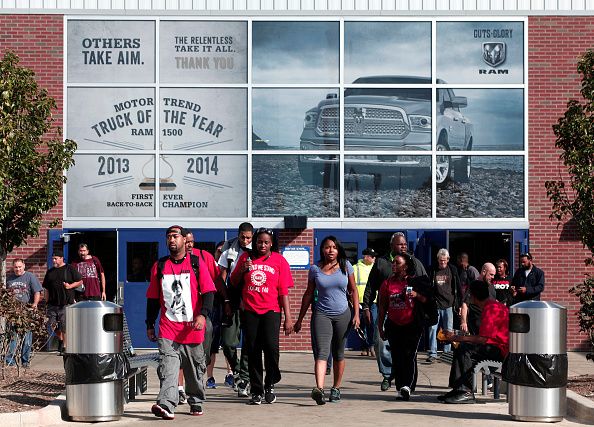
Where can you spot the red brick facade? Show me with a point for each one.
(555, 43)
(38, 40)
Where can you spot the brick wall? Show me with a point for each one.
(302, 340)
(38, 41)
(555, 43)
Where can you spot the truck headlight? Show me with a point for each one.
(310, 120)
(420, 123)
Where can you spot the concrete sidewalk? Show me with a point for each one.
(363, 402)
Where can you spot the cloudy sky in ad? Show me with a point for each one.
(277, 114)
(497, 116)
(387, 48)
(460, 51)
(295, 52)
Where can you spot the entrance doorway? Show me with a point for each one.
(481, 246)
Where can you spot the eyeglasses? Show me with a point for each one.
(264, 230)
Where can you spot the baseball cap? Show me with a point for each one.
(370, 252)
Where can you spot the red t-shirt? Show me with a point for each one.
(495, 325)
(90, 270)
(268, 279)
(208, 259)
(180, 299)
(400, 306)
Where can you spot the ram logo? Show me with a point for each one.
(494, 53)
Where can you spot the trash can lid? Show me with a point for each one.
(94, 304)
(537, 305)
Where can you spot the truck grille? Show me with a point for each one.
(362, 121)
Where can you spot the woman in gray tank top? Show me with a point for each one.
(334, 280)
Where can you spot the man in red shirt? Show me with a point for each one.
(183, 297)
(491, 343)
(91, 270)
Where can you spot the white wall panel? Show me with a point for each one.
(469, 4)
(239, 4)
(131, 4)
(443, 4)
(118, 4)
(348, 4)
(90, 4)
(565, 4)
(456, 4)
(429, 4)
(266, 4)
(253, 4)
(415, 4)
(280, 5)
(551, 5)
(402, 5)
(321, 4)
(361, 5)
(334, 4)
(49, 4)
(578, 5)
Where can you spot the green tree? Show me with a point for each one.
(33, 156)
(573, 197)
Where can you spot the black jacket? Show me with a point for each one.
(534, 283)
(381, 270)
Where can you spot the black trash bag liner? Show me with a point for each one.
(535, 370)
(95, 368)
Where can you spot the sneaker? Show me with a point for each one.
(25, 365)
(386, 384)
(229, 380)
(210, 383)
(196, 410)
(443, 397)
(242, 389)
(161, 411)
(317, 394)
(334, 395)
(256, 399)
(430, 360)
(182, 396)
(328, 370)
(405, 393)
(269, 395)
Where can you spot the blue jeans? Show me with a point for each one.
(445, 320)
(25, 348)
(382, 348)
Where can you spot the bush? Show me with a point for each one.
(585, 292)
(18, 318)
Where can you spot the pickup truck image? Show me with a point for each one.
(393, 118)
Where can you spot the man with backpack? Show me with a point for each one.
(182, 292)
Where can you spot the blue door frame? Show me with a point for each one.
(132, 295)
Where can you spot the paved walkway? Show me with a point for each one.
(363, 402)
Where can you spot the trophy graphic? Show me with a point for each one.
(165, 183)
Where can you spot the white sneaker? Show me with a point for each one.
(405, 393)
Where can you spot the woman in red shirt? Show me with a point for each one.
(403, 328)
(265, 277)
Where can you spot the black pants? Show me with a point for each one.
(466, 356)
(262, 336)
(404, 341)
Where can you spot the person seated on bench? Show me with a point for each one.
(491, 343)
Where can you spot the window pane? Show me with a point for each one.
(203, 186)
(295, 185)
(387, 48)
(387, 186)
(281, 116)
(111, 119)
(140, 257)
(203, 119)
(295, 52)
(111, 186)
(387, 118)
(480, 52)
(495, 189)
(488, 119)
(203, 52)
(111, 51)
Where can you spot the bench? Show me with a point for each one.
(488, 367)
(136, 381)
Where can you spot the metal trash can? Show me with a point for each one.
(94, 363)
(536, 367)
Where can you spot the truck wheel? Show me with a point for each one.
(443, 167)
(462, 169)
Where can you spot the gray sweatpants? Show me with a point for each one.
(192, 361)
(329, 331)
